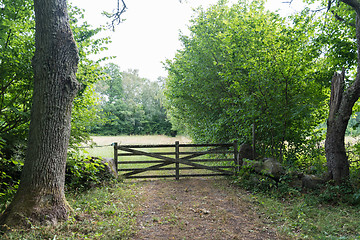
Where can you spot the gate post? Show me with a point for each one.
(236, 156)
(177, 156)
(116, 156)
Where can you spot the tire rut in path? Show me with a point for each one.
(197, 208)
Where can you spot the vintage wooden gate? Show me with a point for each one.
(176, 160)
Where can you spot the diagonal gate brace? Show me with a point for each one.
(168, 161)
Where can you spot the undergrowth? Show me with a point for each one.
(327, 212)
(82, 173)
(304, 217)
(106, 212)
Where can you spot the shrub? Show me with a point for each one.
(262, 182)
(82, 173)
(10, 172)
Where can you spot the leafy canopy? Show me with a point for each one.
(243, 66)
(131, 104)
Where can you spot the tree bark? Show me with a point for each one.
(337, 161)
(40, 197)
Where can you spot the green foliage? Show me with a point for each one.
(131, 105)
(243, 65)
(16, 51)
(10, 171)
(338, 38)
(265, 184)
(86, 109)
(336, 194)
(86, 114)
(303, 217)
(83, 173)
(353, 128)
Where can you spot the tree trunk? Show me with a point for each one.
(337, 162)
(341, 104)
(40, 197)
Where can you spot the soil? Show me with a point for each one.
(198, 208)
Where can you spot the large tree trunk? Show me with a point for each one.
(40, 196)
(337, 161)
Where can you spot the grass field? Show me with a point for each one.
(152, 139)
(103, 149)
(103, 146)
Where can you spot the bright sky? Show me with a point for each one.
(150, 33)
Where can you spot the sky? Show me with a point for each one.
(150, 33)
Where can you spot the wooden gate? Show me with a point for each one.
(176, 160)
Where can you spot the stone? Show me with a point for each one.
(311, 181)
(110, 166)
(273, 167)
(257, 166)
(296, 177)
(269, 167)
(246, 152)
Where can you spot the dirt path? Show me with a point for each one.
(197, 209)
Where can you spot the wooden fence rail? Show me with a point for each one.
(212, 159)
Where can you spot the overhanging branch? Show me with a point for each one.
(116, 17)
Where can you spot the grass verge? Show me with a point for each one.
(303, 217)
(101, 213)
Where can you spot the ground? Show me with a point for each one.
(191, 208)
(198, 208)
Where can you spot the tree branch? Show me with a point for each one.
(116, 17)
(355, 4)
(337, 17)
(289, 2)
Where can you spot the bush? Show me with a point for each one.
(10, 172)
(335, 194)
(262, 182)
(82, 173)
(289, 186)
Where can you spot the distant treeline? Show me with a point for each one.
(130, 104)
